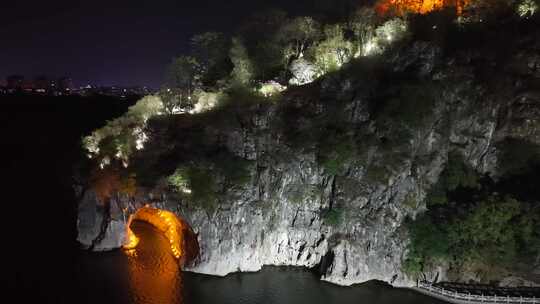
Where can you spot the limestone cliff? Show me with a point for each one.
(298, 208)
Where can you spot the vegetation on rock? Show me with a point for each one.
(353, 102)
(469, 224)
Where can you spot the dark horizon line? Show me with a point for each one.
(77, 82)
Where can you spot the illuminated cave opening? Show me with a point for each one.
(182, 240)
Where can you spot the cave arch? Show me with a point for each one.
(183, 241)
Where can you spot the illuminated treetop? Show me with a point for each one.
(419, 6)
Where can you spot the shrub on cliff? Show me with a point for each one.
(242, 73)
(494, 231)
(235, 170)
(179, 181)
(527, 8)
(204, 179)
(336, 147)
(456, 175)
(197, 185)
(479, 227)
(517, 156)
(120, 137)
(459, 174)
(488, 232)
(210, 50)
(333, 217)
(429, 244)
(204, 189)
(333, 51)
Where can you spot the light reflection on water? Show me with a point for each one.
(150, 275)
(153, 272)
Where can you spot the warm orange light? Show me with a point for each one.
(400, 7)
(131, 240)
(165, 221)
(151, 282)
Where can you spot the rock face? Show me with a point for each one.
(100, 227)
(283, 215)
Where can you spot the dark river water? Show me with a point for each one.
(150, 275)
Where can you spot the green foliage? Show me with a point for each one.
(391, 30)
(527, 8)
(206, 101)
(457, 174)
(266, 50)
(184, 73)
(429, 238)
(225, 109)
(240, 97)
(120, 137)
(336, 147)
(413, 265)
(333, 165)
(333, 217)
(362, 25)
(242, 73)
(179, 180)
(145, 108)
(175, 99)
(210, 50)
(208, 174)
(408, 104)
(235, 170)
(269, 61)
(478, 227)
(529, 225)
(297, 35)
(203, 187)
(494, 231)
(183, 79)
(429, 243)
(488, 232)
(333, 51)
(517, 156)
(271, 90)
(197, 184)
(437, 195)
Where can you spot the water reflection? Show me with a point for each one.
(153, 272)
(151, 275)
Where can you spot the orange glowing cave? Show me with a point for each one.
(182, 240)
(400, 7)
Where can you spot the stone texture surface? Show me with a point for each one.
(279, 217)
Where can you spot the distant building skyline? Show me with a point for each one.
(44, 81)
(43, 85)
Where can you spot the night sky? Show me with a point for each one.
(113, 42)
